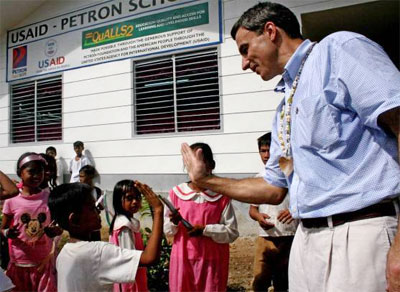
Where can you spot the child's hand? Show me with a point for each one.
(175, 217)
(53, 230)
(150, 196)
(263, 222)
(196, 231)
(13, 232)
(285, 217)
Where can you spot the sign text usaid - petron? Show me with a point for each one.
(109, 31)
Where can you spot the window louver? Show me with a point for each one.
(36, 110)
(177, 94)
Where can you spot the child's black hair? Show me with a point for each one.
(120, 189)
(78, 144)
(264, 140)
(66, 199)
(89, 171)
(51, 148)
(52, 168)
(207, 154)
(21, 167)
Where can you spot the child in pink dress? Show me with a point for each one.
(25, 217)
(200, 257)
(125, 229)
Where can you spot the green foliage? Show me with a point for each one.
(157, 275)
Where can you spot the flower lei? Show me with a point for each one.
(286, 110)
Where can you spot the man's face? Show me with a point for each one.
(259, 53)
(264, 153)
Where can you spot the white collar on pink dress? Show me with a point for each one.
(123, 221)
(184, 192)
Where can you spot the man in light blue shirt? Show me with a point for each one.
(335, 146)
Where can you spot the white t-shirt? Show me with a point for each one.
(76, 165)
(280, 229)
(95, 266)
(60, 172)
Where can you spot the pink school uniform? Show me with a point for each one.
(131, 228)
(200, 263)
(32, 246)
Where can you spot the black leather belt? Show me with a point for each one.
(377, 210)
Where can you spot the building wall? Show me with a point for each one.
(98, 109)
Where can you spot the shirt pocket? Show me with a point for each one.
(316, 124)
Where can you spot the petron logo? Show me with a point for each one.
(19, 57)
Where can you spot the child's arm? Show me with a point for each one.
(152, 251)
(171, 221)
(8, 189)
(5, 227)
(261, 218)
(226, 231)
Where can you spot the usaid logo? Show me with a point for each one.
(51, 48)
(20, 55)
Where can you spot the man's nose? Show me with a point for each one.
(245, 63)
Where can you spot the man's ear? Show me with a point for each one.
(270, 30)
(73, 219)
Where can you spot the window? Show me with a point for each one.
(177, 94)
(36, 110)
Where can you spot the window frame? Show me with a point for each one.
(171, 56)
(35, 81)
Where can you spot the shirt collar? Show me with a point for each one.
(293, 66)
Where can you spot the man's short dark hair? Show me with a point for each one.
(255, 18)
(78, 144)
(66, 199)
(264, 140)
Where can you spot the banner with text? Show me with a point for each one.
(112, 30)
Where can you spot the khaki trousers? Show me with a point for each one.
(348, 257)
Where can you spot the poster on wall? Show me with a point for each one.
(110, 31)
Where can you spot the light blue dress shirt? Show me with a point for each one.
(343, 161)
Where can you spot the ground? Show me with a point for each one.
(241, 264)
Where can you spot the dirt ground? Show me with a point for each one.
(241, 264)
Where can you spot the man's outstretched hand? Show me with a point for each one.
(194, 163)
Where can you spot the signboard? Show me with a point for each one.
(110, 31)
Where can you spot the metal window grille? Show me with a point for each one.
(179, 93)
(36, 110)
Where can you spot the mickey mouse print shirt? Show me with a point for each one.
(30, 214)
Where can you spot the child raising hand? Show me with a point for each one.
(96, 265)
(125, 229)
